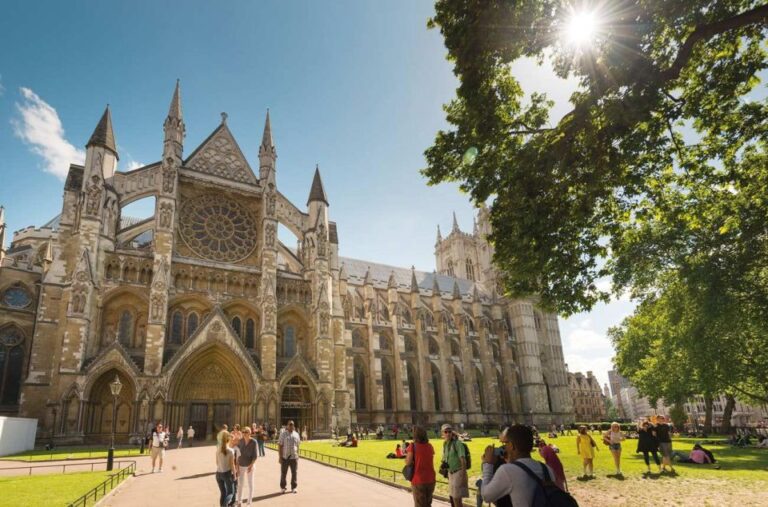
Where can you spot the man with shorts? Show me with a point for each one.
(159, 443)
(663, 433)
(455, 457)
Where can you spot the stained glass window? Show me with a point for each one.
(125, 328)
(192, 321)
(289, 341)
(11, 359)
(177, 327)
(237, 326)
(17, 297)
(249, 333)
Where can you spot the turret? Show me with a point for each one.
(267, 155)
(317, 201)
(439, 236)
(343, 280)
(174, 129)
(455, 224)
(101, 152)
(392, 290)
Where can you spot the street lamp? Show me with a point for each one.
(115, 388)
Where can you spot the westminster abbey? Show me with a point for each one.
(206, 317)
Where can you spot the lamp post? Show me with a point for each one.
(115, 388)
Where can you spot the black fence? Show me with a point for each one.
(387, 475)
(105, 487)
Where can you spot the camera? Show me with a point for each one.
(444, 469)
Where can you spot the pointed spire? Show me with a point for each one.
(174, 111)
(342, 272)
(435, 285)
(455, 224)
(474, 226)
(317, 192)
(391, 283)
(456, 290)
(266, 138)
(103, 135)
(414, 283)
(367, 279)
(439, 236)
(475, 294)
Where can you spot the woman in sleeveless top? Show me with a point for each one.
(421, 455)
(225, 467)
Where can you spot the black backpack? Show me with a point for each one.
(547, 494)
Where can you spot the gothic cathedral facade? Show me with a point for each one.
(206, 317)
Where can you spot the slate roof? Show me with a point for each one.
(380, 273)
(317, 192)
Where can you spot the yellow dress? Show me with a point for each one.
(586, 451)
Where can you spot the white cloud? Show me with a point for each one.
(132, 164)
(39, 127)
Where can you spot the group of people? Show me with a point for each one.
(510, 476)
(236, 455)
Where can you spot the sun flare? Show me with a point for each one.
(581, 28)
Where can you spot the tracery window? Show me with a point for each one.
(410, 344)
(289, 341)
(358, 341)
(11, 359)
(192, 321)
(387, 387)
(384, 342)
(434, 348)
(360, 398)
(177, 327)
(249, 333)
(16, 297)
(450, 268)
(475, 350)
(125, 328)
(455, 349)
(218, 229)
(237, 326)
(470, 270)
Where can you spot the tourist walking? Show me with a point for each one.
(585, 447)
(663, 434)
(647, 443)
(180, 436)
(190, 435)
(455, 459)
(234, 442)
(288, 450)
(159, 443)
(613, 438)
(248, 453)
(421, 455)
(225, 467)
(260, 436)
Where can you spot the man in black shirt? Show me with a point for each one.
(663, 433)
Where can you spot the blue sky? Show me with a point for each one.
(354, 86)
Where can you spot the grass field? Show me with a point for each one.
(70, 453)
(741, 480)
(48, 490)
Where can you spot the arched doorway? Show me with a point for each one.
(296, 405)
(99, 409)
(212, 389)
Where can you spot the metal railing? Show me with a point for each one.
(79, 467)
(387, 475)
(59, 453)
(105, 487)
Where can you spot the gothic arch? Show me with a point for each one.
(99, 405)
(12, 360)
(212, 372)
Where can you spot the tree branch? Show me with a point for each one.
(705, 32)
(750, 395)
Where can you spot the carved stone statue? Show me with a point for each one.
(269, 235)
(169, 176)
(93, 199)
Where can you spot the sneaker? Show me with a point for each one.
(160, 471)
(283, 490)
(294, 490)
(153, 470)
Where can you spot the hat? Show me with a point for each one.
(446, 427)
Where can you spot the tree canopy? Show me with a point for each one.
(656, 178)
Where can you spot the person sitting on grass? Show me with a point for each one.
(399, 452)
(698, 456)
(762, 441)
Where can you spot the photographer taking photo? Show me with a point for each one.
(525, 481)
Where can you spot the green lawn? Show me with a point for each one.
(71, 453)
(741, 480)
(54, 490)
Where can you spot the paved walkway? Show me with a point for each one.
(188, 480)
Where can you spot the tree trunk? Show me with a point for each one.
(708, 414)
(730, 404)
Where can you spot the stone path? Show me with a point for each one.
(188, 480)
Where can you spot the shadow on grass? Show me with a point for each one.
(617, 477)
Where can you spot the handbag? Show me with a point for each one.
(409, 470)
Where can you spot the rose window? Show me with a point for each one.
(217, 229)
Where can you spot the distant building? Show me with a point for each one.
(617, 383)
(588, 398)
(742, 415)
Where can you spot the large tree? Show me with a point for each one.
(613, 188)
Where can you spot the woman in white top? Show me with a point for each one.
(225, 468)
(613, 438)
(180, 436)
(234, 440)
